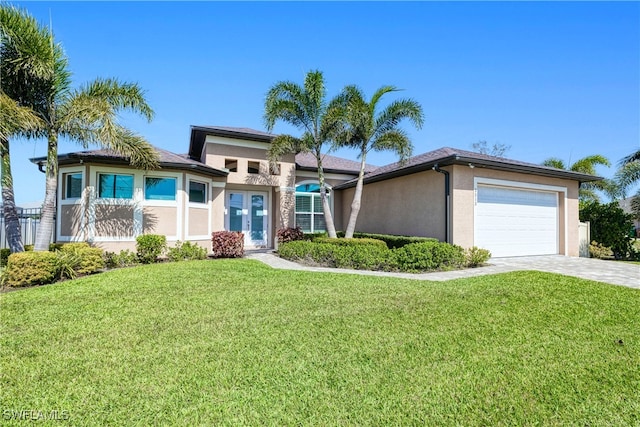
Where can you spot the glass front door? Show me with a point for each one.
(247, 212)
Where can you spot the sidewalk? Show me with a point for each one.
(613, 272)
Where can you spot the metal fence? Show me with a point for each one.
(29, 220)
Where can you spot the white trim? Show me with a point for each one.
(246, 203)
(330, 193)
(526, 186)
(80, 201)
(211, 139)
(189, 205)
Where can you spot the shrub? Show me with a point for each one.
(125, 258)
(427, 256)
(31, 268)
(610, 226)
(227, 244)
(598, 250)
(475, 256)
(79, 258)
(289, 234)
(360, 257)
(186, 251)
(318, 235)
(392, 241)
(4, 255)
(149, 247)
(351, 242)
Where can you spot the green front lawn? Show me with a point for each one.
(233, 342)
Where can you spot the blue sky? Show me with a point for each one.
(557, 79)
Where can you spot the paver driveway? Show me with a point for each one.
(617, 273)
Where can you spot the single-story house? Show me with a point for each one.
(224, 182)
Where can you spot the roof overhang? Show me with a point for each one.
(470, 161)
(76, 158)
(199, 136)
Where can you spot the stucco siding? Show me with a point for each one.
(159, 220)
(113, 220)
(71, 220)
(463, 204)
(198, 221)
(410, 205)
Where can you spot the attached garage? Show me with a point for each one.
(511, 221)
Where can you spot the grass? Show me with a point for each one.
(233, 342)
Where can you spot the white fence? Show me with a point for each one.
(584, 236)
(29, 220)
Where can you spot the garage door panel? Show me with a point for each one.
(516, 222)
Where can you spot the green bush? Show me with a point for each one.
(365, 256)
(125, 258)
(475, 256)
(149, 247)
(351, 242)
(392, 241)
(4, 255)
(227, 244)
(610, 226)
(314, 236)
(186, 251)
(79, 258)
(427, 256)
(31, 268)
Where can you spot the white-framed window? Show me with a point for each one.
(115, 186)
(197, 192)
(72, 185)
(159, 188)
(309, 212)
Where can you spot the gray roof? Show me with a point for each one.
(449, 156)
(167, 160)
(307, 161)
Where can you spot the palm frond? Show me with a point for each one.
(286, 101)
(26, 45)
(633, 157)
(588, 164)
(628, 175)
(119, 96)
(15, 119)
(554, 162)
(378, 94)
(282, 145)
(395, 112)
(395, 140)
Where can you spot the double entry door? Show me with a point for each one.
(247, 212)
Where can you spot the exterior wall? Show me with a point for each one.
(114, 223)
(410, 205)
(463, 204)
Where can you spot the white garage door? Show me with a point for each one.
(516, 222)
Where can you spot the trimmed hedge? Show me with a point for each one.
(427, 256)
(351, 242)
(392, 241)
(371, 254)
(31, 268)
(227, 244)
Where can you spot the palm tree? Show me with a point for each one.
(586, 165)
(627, 175)
(304, 107)
(25, 55)
(87, 116)
(367, 128)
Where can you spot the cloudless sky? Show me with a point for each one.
(557, 79)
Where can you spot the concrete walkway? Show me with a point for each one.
(617, 273)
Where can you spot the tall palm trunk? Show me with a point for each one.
(11, 221)
(45, 228)
(357, 198)
(326, 208)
